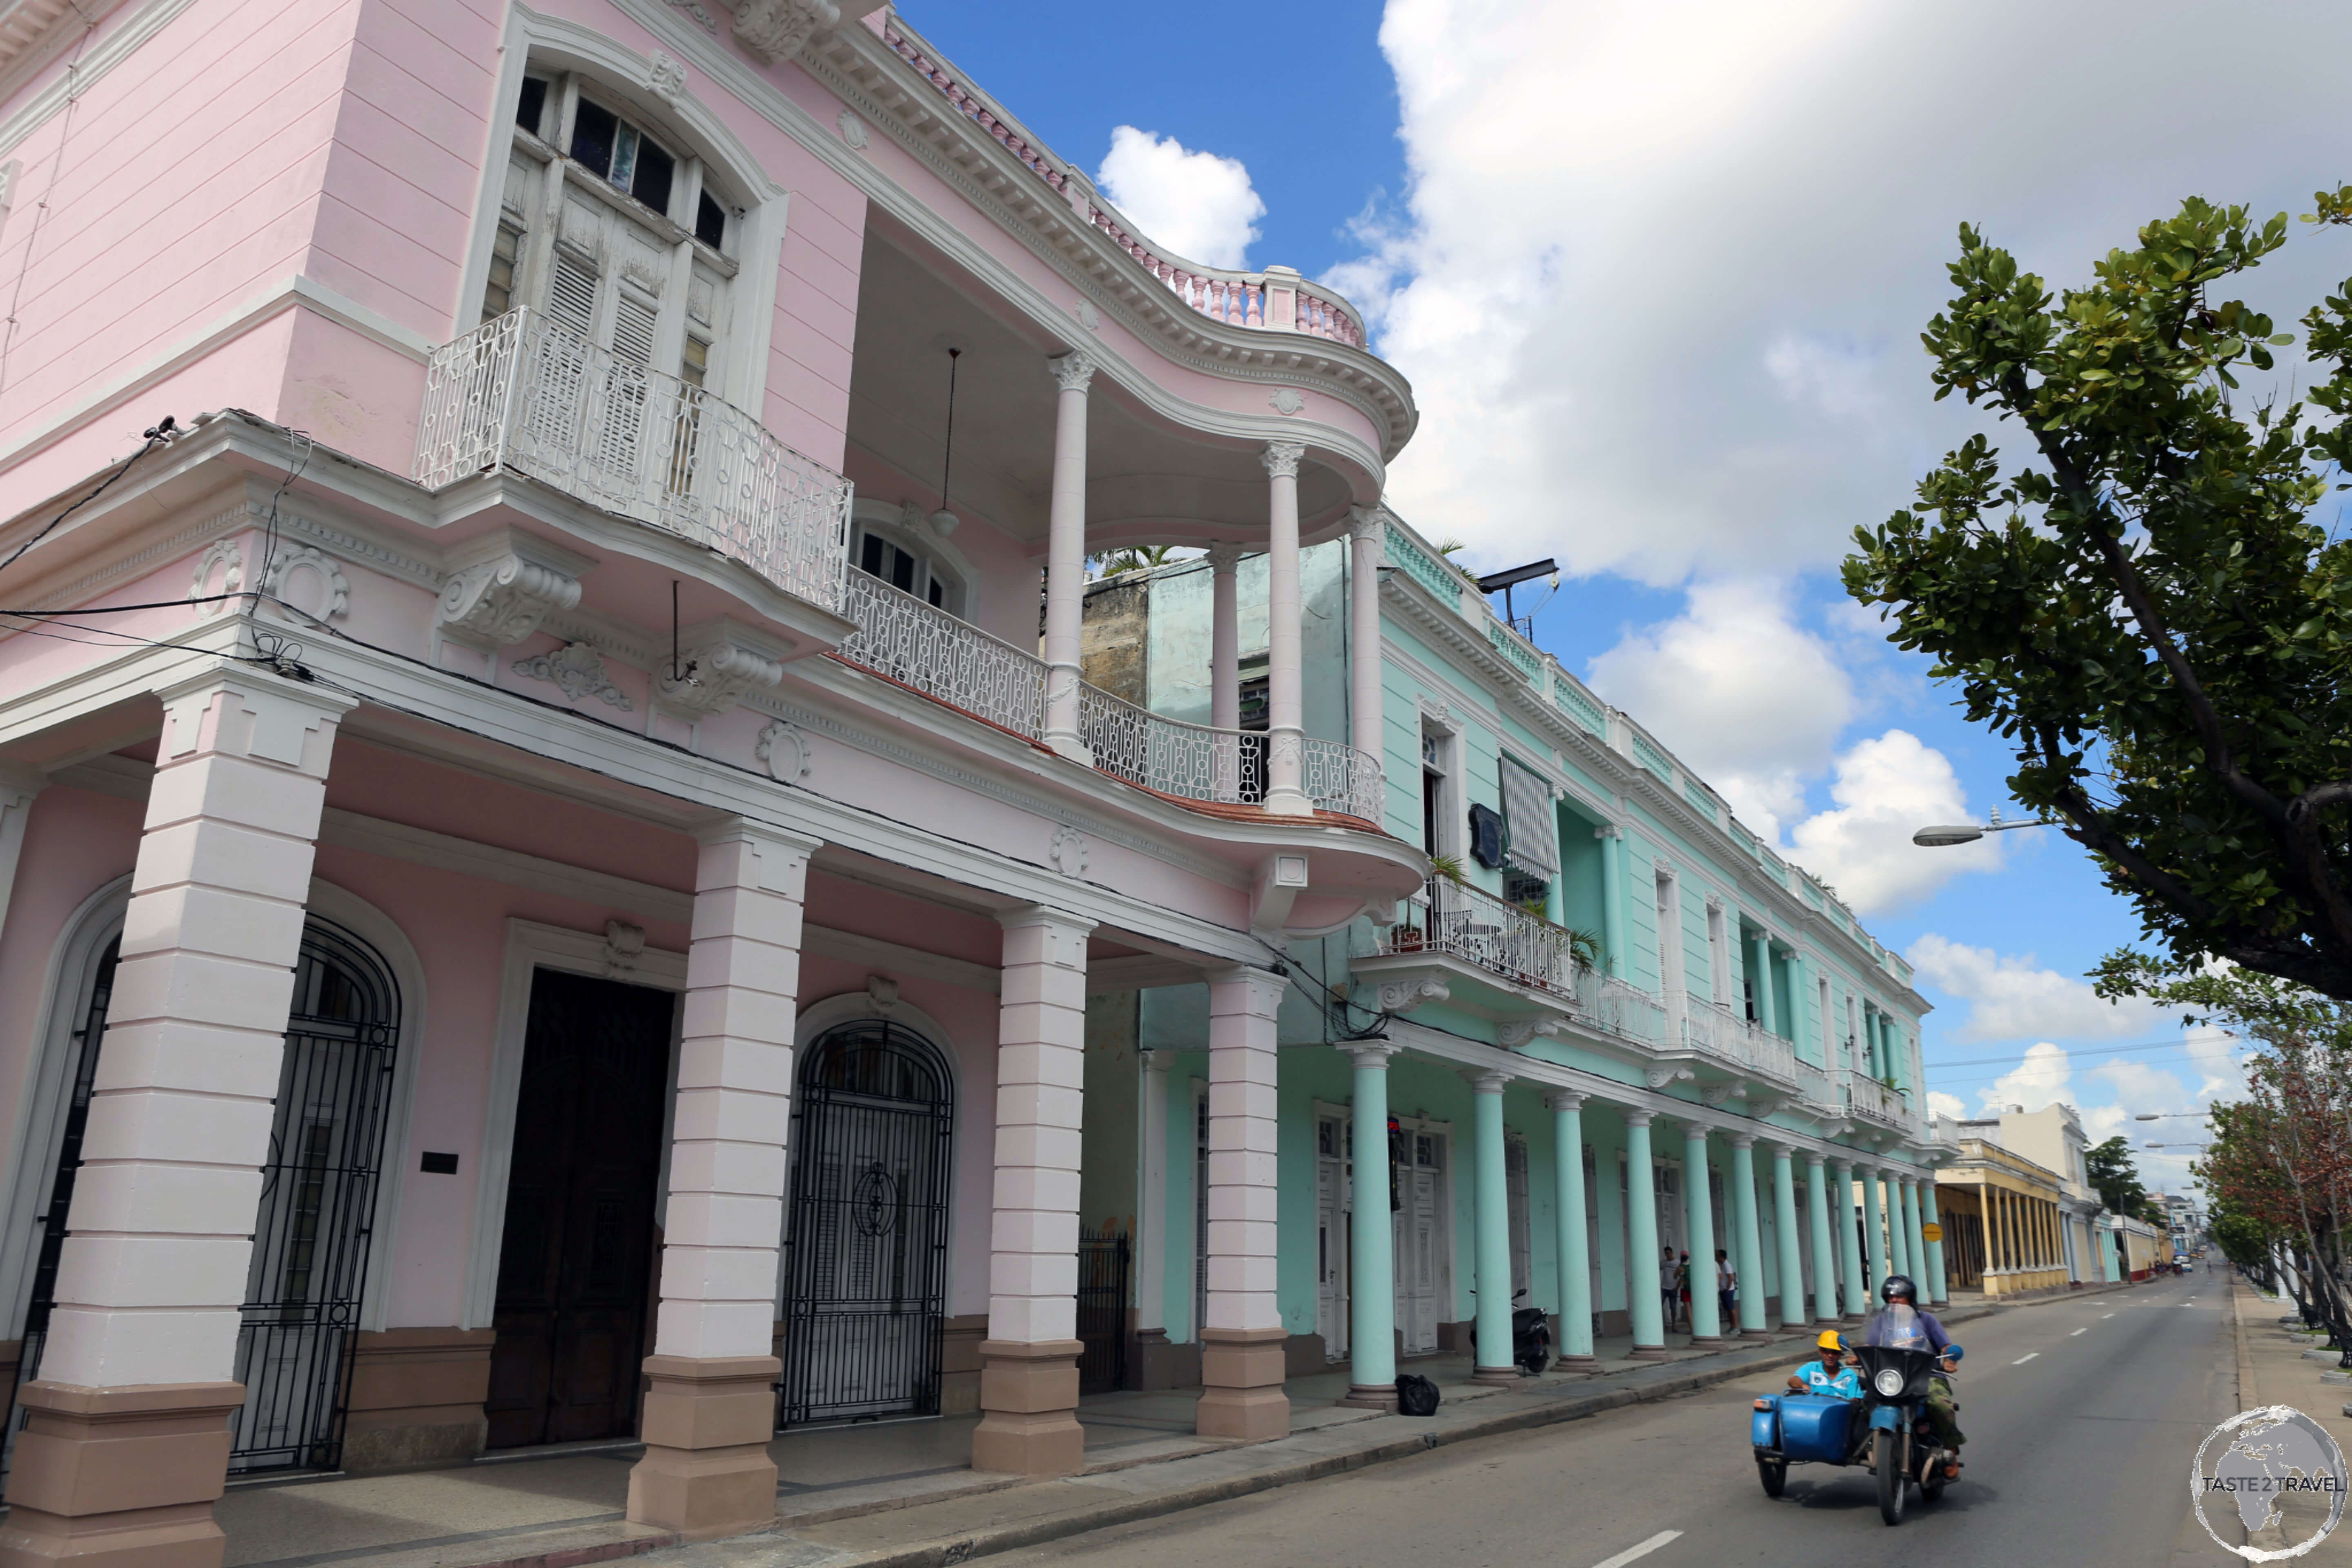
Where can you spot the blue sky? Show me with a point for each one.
(1657, 274)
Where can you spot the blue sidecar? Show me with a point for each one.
(1801, 1429)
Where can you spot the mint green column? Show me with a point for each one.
(1698, 1206)
(1748, 1248)
(1556, 893)
(1574, 1251)
(1372, 1289)
(1899, 1244)
(1825, 1253)
(1849, 1250)
(1874, 1237)
(2113, 1266)
(1492, 1361)
(1612, 906)
(1643, 1284)
(1934, 1249)
(1768, 1006)
(1794, 1312)
(1915, 1248)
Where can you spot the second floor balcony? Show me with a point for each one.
(524, 394)
(1868, 1099)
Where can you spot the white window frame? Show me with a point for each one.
(549, 46)
(892, 524)
(1668, 903)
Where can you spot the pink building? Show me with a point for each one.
(543, 607)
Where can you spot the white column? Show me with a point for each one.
(128, 1428)
(1747, 1240)
(1492, 1255)
(1573, 1249)
(1225, 637)
(709, 1405)
(1285, 711)
(1368, 536)
(1794, 1310)
(1029, 1363)
(1241, 1334)
(1065, 556)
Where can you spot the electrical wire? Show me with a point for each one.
(159, 434)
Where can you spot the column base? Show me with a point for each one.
(1240, 1386)
(708, 1420)
(1497, 1376)
(1707, 1341)
(1371, 1396)
(1029, 1408)
(120, 1478)
(1576, 1364)
(1288, 803)
(1653, 1352)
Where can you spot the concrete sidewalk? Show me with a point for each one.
(2279, 1362)
(903, 1493)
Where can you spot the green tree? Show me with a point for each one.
(2149, 609)
(2112, 1171)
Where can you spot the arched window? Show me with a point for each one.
(614, 231)
(905, 563)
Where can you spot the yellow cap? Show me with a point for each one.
(1829, 1341)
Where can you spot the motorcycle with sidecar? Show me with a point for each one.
(1887, 1431)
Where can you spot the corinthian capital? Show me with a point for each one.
(1072, 372)
(772, 30)
(1281, 459)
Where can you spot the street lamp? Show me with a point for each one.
(1948, 836)
(2145, 1145)
(2161, 1115)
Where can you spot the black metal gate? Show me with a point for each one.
(1102, 1310)
(318, 1206)
(873, 1122)
(318, 1200)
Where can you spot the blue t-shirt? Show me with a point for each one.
(1844, 1384)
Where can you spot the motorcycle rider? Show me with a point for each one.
(1827, 1376)
(1901, 1320)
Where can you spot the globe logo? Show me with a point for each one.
(2282, 1474)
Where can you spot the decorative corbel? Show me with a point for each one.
(1659, 1077)
(1396, 995)
(722, 664)
(503, 586)
(772, 30)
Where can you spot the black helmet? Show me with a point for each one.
(1898, 1286)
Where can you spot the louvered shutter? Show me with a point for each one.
(1527, 808)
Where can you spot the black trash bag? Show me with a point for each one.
(1416, 1396)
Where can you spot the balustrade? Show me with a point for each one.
(923, 646)
(1478, 928)
(520, 393)
(1192, 761)
(1866, 1097)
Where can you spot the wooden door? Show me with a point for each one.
(1420, 1242)
(1331, 1235)
(575, 1268)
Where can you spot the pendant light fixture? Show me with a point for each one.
(943, 521)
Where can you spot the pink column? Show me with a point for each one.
(1029, 1363)
(127, 1443)
(1285, 685)
(710, 1408)
(1065, 555)
(1242, 1336)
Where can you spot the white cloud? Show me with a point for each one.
(1737, 690)
(1885, 789)
(1198, 204)
(2039, 1079)
(1658, 271)
(2011, 996)
(1942, 1104)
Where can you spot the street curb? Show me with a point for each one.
(946, 1552)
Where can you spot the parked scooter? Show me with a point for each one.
(1530, 1337)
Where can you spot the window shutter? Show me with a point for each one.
(1527, 807)
(571, 292)
(634, 322)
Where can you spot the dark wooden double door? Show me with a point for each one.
(576, 1267)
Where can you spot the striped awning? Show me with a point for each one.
(1535, 832)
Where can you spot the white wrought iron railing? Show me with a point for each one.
(1337, 777)
(923, 646)
(519, 392)
(1627, 1011)
(1866, 1095)
(1475, 926)
(1193, 761)
(1815, 1086)
(1719, 1033)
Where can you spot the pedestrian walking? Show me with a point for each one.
(1669, 1282)
(1726, 1286)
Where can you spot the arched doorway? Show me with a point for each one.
(319, 1186)
(873, 1121)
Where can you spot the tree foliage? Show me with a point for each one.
(2112, 1171)
(2151, 609)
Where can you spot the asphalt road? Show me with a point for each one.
(2082, 1416)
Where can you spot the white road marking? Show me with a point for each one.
(2083, 1330)
(1643, 1550)
(2105, 1316)
(2021, 1360)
